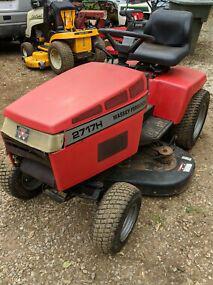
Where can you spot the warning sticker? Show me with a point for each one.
(185, 167)
(186, 158)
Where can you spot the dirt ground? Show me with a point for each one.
(42, 242)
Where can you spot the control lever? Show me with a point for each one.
(100, 47)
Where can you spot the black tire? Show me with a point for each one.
(13, 181)
(189, 129)
(63, 52)
(120, 205)
(98, 55)
(27, 49)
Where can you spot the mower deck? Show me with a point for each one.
(156, 171)
(160, 171)
(38, 60)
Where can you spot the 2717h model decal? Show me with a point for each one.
(83, 131)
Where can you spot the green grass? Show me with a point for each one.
(157, 219)
(193, 209)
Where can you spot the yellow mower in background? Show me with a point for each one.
(53, 40)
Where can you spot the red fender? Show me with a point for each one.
(171, 92)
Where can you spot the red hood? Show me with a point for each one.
(58, 104)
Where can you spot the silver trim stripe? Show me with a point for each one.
(83, 131)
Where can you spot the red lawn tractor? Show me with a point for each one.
(135, 22)
(91, 18)
(111, 133)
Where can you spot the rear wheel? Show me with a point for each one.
(98, 55)
(27, 49)
(116, 217)
(189, 129)
(17, 183)
(60, 57)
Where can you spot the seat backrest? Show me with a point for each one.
(170, 27)
(53, 13)
(58, 6)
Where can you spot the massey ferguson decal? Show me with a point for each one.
(132, 110)
(97, 125)
(22, 133)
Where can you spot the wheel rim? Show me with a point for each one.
(55, 59)
(129, 223)
(200, 121)
(30, 183)
(24, 52)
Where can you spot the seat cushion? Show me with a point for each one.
(159, 54)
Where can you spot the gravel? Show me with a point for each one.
(42, 242)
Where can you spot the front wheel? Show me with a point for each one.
(60, 57)
(188, 130)
(27, 49)
(116, 217)
(18, 184)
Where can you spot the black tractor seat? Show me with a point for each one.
(52, 14)
(160, 54)
(172, 32)
(63, 5)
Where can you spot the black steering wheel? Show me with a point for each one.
(123, 49)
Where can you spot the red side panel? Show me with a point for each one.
(171, 92)
(83, 160)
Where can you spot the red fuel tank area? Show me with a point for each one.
(171, 92)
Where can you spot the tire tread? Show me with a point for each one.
(9, 182)
(66, 55)
(109, 214)
(185, 129)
